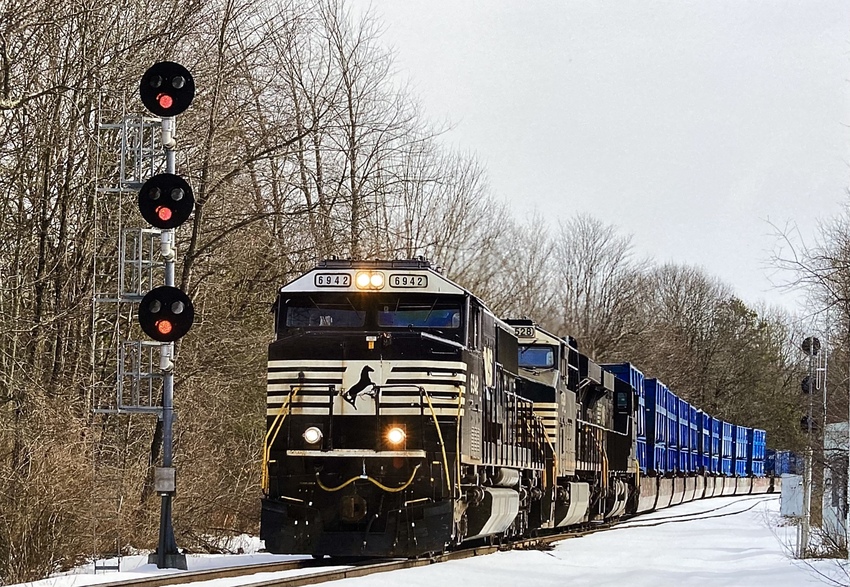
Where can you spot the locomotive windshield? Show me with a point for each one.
(419, 312)
(322, 311)
(537, 356)
(438, 313)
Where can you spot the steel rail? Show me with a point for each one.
(355, 568)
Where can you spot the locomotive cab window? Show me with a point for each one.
(537, 356)
(329, 311)
(440, 313)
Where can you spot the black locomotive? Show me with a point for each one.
(405, 418)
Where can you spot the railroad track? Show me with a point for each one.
(334, 569)
(330, 569)
(359, 568)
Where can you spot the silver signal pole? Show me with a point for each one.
(167, 554)
(810, 346)
(807, 472)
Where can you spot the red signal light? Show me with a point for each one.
(165, 101)
(164, 213)
(164, 327)
(167, 88)
(166, 313)
(166, 200)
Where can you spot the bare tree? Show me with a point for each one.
(598, 281)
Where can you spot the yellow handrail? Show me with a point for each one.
(440, 437)
(272, 432)
(555, 455)
(371, 480)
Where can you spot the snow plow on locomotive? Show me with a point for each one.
(405, 418)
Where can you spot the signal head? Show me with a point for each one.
(166, 313)
(167, 88)
(166, 200)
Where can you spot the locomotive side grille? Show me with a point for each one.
(475, 441)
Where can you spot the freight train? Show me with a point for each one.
(405, 418)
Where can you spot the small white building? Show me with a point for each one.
(835, 482)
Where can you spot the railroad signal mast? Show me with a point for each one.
(811, 347)
(165, 312)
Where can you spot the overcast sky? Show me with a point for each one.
(689, 124)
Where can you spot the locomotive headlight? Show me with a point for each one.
(312, 435)
(362, 280)
(369, 280)
(395, 435)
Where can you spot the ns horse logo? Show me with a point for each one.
(362, 386)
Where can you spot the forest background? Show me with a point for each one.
(302, 143)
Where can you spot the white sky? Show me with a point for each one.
(689, 124)
(730, 541)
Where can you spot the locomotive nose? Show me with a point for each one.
(352, 508)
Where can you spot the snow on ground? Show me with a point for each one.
(726, 541)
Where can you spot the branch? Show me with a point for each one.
(13, 103)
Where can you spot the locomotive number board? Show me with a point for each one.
(524, 331)
(408, 280)
(332, 280)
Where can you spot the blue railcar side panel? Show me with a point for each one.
(660, 452)
(759, 444)
(684, 428)
(641, 454)
(672, 433)
(739, 449)
(634, 377)
(727, 455)
(694, 428)
(755, 452)
(716, 427)
(628, 373)
(705, 436)
(741, 433)
(672, 420)
(672, 459)
(694, 424)
(726, 444)
(656, 425)
(684, 414)
(770, 462)
(786, 462)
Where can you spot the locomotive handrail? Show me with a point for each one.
(436, 338)
(423, 391)
(554, 453)
(598, 427)
(275, 428)
(371, 480)
(440, 437)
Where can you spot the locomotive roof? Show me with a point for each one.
(408, 276)
(528, 332)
